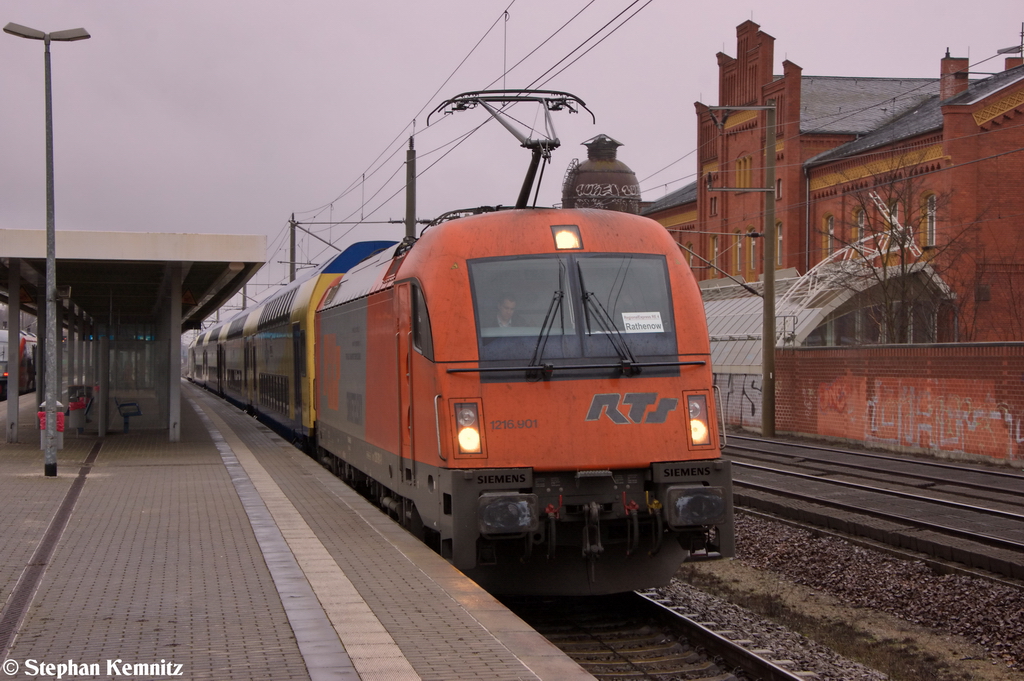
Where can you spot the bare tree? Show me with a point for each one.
(893, 244)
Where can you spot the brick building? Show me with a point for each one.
(901, 196)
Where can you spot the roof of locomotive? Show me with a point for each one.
(501, 231)
(529, 231)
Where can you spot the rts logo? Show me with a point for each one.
(608, 404)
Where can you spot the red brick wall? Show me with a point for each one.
(952, 400)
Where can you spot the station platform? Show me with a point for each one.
(229, 555)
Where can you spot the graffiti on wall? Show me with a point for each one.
(954, 416)
(740, 399)
(951, 415)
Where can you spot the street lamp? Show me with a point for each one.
(50, 390)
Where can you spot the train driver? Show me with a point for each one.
(507, 310)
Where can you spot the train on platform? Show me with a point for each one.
(528, 391)
(27, 344)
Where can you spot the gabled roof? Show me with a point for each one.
(925, 117)
(679, 197)
(980, 89)
(855, 106)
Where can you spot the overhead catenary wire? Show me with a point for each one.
(465, 136)
(401, 133)
(603, 38)
(506, 70)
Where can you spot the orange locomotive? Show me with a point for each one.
(530, 391)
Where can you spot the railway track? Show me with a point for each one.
(964, 514)
(1000, 486)
(635, 636)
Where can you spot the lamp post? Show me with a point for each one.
(50, 390)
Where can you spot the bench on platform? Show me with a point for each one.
(127, 410)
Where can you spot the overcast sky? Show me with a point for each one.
(227, 116)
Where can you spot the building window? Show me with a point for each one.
(743, 172)
(894, 214)
(713, 205)
(739, 253)
(930, 205)
(778, 248)
(714, 256)
(753, 249)
(689, 253)
(828, 236)
(778, 189)
(859, 219)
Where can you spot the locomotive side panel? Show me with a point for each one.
(341, 382)
(382, 414)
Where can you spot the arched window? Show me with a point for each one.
(894, 214)
(739, 252)
(714, 256)
(928, 228)
(689, 253)
(859, 223)
(828, 236)
(743, 165)
(753, 249)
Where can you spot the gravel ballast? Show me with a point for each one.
(983, 612)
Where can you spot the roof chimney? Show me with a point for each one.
(1014, 62)
(953, 76)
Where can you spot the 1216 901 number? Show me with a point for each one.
(513, 424)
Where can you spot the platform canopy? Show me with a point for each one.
(123, 301)
(123, 277)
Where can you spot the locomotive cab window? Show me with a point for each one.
(626, 295)
(421, 338)
(516, 299)
(572, 306)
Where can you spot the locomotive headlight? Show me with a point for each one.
(468, 427)
(699, 430)
(507, 513)
(466, 415)
(469, 440)
(696, 408)
(691, 506)
(567, 237)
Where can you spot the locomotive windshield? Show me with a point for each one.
(572, 307)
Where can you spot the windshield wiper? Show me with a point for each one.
(627, 362)
(545, 329)
(542, 339)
